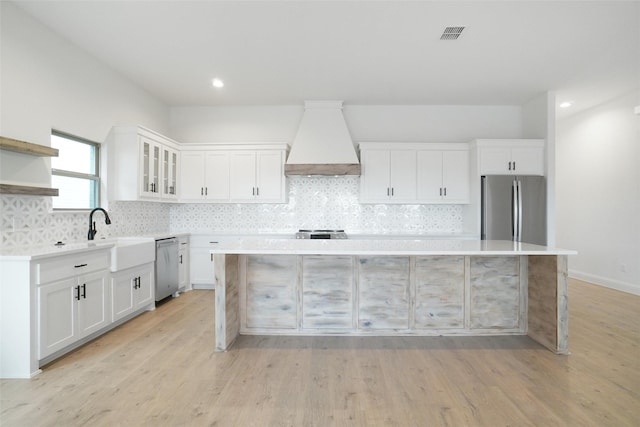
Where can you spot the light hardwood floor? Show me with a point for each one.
(160, 369)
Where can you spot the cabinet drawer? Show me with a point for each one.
(58, 268)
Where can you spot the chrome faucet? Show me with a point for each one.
(92, 224)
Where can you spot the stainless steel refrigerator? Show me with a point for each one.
(514, 208)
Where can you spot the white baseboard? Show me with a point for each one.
(606, 282)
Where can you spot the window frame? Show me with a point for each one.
(70, 174)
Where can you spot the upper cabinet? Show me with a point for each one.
(511, 157)
(388, 176)
(443, 175)
(409, 173)
(234, 174)
(205, 176)
(257, 176)
(141, 165)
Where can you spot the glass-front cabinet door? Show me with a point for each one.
(169, 173)
(150, 168)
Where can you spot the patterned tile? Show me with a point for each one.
(316, 202)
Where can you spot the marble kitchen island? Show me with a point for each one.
(389, 287)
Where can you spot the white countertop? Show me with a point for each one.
(43, 251)
(383, 247)
(49, 250)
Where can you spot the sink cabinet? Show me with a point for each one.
(132, 290)
(71, 309)
(72, 299)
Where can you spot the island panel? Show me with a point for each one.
(440, 284)
(327, 292)
(495, 292)
(271, 285)
(383, 292)
(548, 319)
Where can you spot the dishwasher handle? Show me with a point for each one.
(166, 242)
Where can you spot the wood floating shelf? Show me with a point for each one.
(27, 190)
(23, 147)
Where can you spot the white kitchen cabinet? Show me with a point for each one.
(150, 167)
(388, 176)
(233, 174)
(201, 261)
(511, 157)
(183, 263)
(141, 165)
(205, 176)
(73, 299)
(443, 176)
(131, 290)
(257, 176)
(169, 173)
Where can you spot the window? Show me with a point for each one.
(75, 172)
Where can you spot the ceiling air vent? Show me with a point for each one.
(451, 33)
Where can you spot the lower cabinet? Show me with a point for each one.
(383, 293)
(327, 292)
(439, 300)
(72, 309)
(201, 262)
(271, 291)
(131, 290)
(495, 294)
(183, 263)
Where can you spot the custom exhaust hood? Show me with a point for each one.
(322, 145)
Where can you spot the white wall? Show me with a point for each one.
(46, 83)
(406, 123)
(49, 83)
(598, 193)
(538, 121)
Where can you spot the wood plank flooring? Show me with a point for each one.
(160, 370)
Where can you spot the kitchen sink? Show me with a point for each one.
(129, 252)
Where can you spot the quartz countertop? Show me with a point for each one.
(43, 251)
(383, 247)
(48, 250)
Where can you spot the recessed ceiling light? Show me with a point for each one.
(217, 83)
(566, 104)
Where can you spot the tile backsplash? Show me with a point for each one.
(322, 203)
(314, 202)
(29, 220)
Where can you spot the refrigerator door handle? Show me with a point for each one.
(514, 210)
(519, 211)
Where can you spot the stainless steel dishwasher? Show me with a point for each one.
(166, 267)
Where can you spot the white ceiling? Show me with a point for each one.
(362, 52)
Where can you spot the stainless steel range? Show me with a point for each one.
(321, 234)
